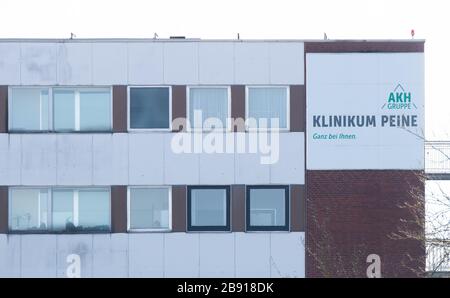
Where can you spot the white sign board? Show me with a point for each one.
(365, 111)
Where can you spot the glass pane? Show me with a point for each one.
(64, 110)
(149, 208)
(28, 209)
(267, 207)
(149, 107)
(63, 217)
(95, 110)
(268, 103)
(94, 209)
(29, 109)
(212, 102)
(208, 207)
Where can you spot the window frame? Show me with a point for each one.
(50, 229)
(146, 230)
(288, 108)
(51, 110)
(190, 227)
(287, 225)
(227, 127)
(129, 129)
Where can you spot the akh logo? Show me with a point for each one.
(399, 99)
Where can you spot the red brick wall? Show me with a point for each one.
(351, 214)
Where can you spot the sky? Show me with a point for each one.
(252, 19)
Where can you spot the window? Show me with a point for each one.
(267, 208)
(149, 107)
(208, 108)
(82, 109)
(60, 209)
(29, 109)
(149, 209)
(266, 103)
(79, 109)
(208, 208)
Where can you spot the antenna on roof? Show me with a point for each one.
(72, 35)
(325, 36)
(412, 33)
(238, 37)
(155, 35)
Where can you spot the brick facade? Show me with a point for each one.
(351, 214)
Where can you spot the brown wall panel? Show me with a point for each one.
(3, 209)
(120, 112)
(119, 209)
(238, 107)
(297, 94)
(238, 208)
(179, 208)
(351, 214)
(298, 208)
(3, 109)
(179, 108)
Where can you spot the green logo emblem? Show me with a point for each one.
(399, 99)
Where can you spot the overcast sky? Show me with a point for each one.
(340, 19)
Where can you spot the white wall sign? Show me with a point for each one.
(365, 111)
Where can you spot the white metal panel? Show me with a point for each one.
(10, 159)
(251, 63)
(180, 168)
(249, 168)
(252, 254)
(286, 63)
(211, 247)
(38, 63)
(181, 62)
(38, 159)
(216, 62)
(110, 63)
(290, 168)
(146, 254)
(146, 158)
(74, 159)
(287, 254)
(80, 245)
(399, 65)
(10, 63)
(145, 63)
(110, 255)
(10, 255)
(38, 256)
(181, 256)
(75, 63)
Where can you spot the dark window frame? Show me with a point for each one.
(249, 227)
(226, 227)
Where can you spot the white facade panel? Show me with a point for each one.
(10, 63)
(212, 246)
(38, 256)
(110, 63)
(252, 63)
(287, 63)
(252, 255)
(290, 167)
(287, 254)
(181, 63)
(146, 254)
(38, 63)
(145, 63)
(216, 63)
(181, 255)
(10, 159)
(38, 159)
(146, 158)
(74, 159)
(10, 248)
(382, 87)
(110, 255)
(74, 63)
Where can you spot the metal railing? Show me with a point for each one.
(437, 157)
(438, 256)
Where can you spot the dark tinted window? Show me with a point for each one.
(149, 107)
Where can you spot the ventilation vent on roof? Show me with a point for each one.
(178, 37)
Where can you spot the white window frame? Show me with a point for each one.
(288, 109)
(227, 127)
(50, 190)
(129, 229)
(129, 110)
(50, 109)
(77, 114)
